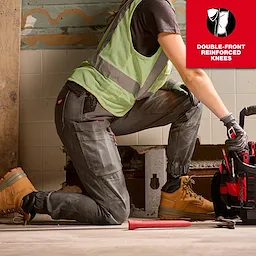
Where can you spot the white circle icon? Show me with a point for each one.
(220, 22)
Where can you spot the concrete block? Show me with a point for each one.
(155, 178)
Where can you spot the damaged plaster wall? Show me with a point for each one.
(70, 24)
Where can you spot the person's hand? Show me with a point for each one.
(239, 141)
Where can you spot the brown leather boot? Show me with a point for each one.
(13, 187)
(185, 203)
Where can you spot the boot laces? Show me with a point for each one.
(187, 186)
(19, 219)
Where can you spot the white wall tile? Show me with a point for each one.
(53, 179)
(204, 133)
(76, 57)
(30, 110)
(219, 132)
(208, 71)
(206, 113)
(165, 134)
(52, 84)
(246, 80)
(36, 178)
(30, 158)
(249, 127)
(55, 61)
(151, 136)
(30, 134)
(30, 86)
(53, 158)
(48, 109)
(245, 100)
(50, 136)
(131, 139)
(31, 62)
(229, 101)
(223, 80)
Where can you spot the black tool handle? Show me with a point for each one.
(247, 111)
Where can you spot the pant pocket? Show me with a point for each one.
(90, 103)
(99, 150)
(194, 101)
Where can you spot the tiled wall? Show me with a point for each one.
(43, 73)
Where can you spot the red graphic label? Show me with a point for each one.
(220, 34)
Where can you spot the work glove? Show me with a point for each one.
(237, 138)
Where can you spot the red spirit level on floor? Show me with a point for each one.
(134, 224)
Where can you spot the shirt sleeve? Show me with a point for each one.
(159, 16)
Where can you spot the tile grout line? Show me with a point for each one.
(42, 73)
(211, 135)
(235, 91)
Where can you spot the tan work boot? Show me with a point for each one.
(13, 187)
(185, 203)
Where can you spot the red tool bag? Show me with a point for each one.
(234, 185)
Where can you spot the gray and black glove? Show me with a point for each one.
(239, 141)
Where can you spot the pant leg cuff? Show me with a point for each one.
(41, 201)
(176, 170)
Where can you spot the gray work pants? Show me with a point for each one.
(88, 131)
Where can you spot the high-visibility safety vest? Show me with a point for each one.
(118, 75)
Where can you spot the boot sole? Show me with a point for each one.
(172, 214)
(11, 178)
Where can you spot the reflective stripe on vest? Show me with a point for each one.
(116, 75)
(162, 60)
(107, 36)
(127, 82)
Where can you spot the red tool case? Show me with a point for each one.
(234, 185)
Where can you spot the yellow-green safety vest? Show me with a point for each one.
(118, 75)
